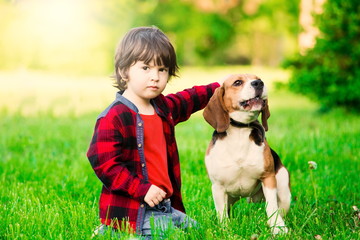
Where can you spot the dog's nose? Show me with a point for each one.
(257, 84)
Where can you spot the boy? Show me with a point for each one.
(133, 150)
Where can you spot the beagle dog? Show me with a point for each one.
(239, 161)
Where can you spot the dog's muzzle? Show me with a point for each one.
(252, 102)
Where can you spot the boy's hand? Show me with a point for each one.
(154, 196)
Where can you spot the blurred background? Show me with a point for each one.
(59, 53)
(79, 36)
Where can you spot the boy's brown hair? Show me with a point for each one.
(143, 44)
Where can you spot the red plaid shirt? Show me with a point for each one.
(116, 154)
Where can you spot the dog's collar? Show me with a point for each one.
(254, 124)
(257, 133)
(240, 124)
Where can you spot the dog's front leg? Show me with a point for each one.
(220, 200)
(272, 209)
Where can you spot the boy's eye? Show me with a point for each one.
(145, 67)
(163, 69)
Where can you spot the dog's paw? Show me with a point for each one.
(279, 230)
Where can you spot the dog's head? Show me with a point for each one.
(241, 97)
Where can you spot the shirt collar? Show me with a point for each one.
(129, 104)
(120, 98)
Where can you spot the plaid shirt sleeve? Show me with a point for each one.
(108, 152)
(188, 101)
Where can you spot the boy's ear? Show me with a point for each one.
(123, 74)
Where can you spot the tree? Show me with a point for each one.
(199, 37)
(330, 72)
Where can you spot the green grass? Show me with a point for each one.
(298, 135)
(49, 190)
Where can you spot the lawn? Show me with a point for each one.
(49, 190)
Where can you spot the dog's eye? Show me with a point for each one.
(237, 83)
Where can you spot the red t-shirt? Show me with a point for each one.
(155, 153)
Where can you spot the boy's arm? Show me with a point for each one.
(105, 155)
(188, 101)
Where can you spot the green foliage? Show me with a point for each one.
(199, 37)
(220, 37)
(330, 72)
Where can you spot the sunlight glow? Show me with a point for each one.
(56, 21)
(56, 35)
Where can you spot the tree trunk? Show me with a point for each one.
(307, 38)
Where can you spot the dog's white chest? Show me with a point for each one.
(236, 162)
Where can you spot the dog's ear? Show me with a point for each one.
(265, 114)
(215, 113)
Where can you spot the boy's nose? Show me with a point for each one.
(155, 75)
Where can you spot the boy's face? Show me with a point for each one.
(146, 81)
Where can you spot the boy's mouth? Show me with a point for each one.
(153, 87)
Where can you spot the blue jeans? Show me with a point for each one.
(157, 221)
(163, 217)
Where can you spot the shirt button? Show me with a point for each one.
(143, 164)
(142, 205)
(140, 124)
(139, 145)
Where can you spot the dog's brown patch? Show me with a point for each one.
(215, 137)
